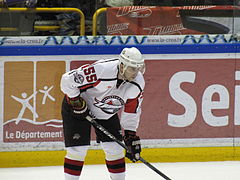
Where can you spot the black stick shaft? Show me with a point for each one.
(103, 130)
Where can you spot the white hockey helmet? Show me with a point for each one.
(131, 57)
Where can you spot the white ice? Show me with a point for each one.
(225, 170)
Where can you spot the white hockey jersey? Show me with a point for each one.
(104, 93)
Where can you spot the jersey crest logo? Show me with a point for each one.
(78, 78)
(110, 104)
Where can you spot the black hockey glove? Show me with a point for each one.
(132, 141)
(79, 106)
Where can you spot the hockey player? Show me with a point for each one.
(100, 90)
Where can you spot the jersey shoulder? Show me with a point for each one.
(106, 69)
(136, 86)
(139, 81)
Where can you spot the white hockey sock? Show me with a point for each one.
(117, 176)
(70, 177)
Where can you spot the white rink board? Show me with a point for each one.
(148, 143)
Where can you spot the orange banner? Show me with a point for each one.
(153, 20)
(32, 101)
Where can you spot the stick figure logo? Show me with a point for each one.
(25, 105)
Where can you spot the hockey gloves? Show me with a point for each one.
(79, 106)
(132, 141)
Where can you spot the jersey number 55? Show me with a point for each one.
(90, 74)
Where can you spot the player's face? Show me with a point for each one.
(131, 73)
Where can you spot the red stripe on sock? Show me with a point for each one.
(120, 170)
(116, 166)
(73, 167)
(73, 162)
(119, 161)
(72, 172)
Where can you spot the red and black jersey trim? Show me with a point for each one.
(88, 86)
(116, 166)
(132, 105)
(92, 85)
(110, 79)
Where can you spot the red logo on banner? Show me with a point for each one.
(153, 20)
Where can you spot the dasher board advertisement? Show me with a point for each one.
(190, 99)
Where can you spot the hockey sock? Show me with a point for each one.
(72, 169)
(116, 169)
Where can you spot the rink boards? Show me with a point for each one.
(191, 108)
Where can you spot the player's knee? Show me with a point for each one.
(77, 152)
(113, 151)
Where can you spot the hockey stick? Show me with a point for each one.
(103, 130)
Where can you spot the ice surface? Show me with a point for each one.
(225, 170)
